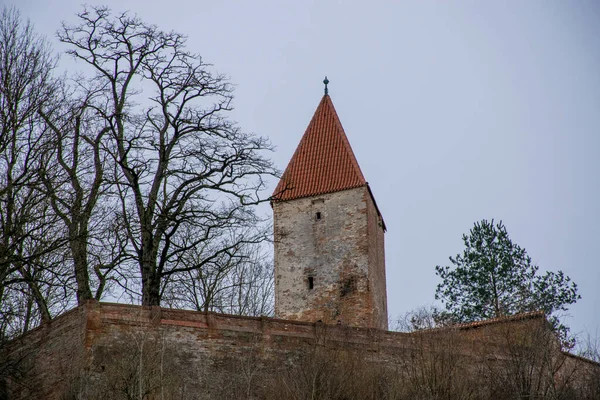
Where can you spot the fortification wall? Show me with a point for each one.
(100, 344)
(209, 336)
(42, 362)
(111, 351)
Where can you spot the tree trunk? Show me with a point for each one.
(150, 276)
(150, 288)
(78, 244)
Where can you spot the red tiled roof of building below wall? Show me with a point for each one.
(499, 320)
(487, 322)
(323, 162)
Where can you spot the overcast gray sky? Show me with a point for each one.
(455, 111)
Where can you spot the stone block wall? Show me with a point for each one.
(41, 363)
(329, 262)
(377, 280)
(95, 348)
(111, 351)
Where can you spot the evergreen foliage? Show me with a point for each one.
(495, 277)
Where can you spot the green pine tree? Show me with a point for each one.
(495, 277)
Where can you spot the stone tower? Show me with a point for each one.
(328, 231)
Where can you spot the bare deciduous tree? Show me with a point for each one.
(238, 281)
(180, 162)
(27, 227)
(74, 180)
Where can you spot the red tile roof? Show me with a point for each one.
(499, 320)
(323, 162)
(491, 321)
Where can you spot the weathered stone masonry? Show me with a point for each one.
(334, 243)
(91, 341)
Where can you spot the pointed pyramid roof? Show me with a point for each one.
(323, 162)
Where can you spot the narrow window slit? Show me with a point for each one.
(318, 215)
(311, 282)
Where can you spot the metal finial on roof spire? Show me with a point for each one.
(326, 81)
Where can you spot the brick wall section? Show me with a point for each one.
(46, 358)
(342, 251)
(93, 342)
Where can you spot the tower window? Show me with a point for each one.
(311, 283)
(348, 286)
(318, 215)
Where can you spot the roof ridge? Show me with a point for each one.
(504, 318)
(490, 321)
(345, 139)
